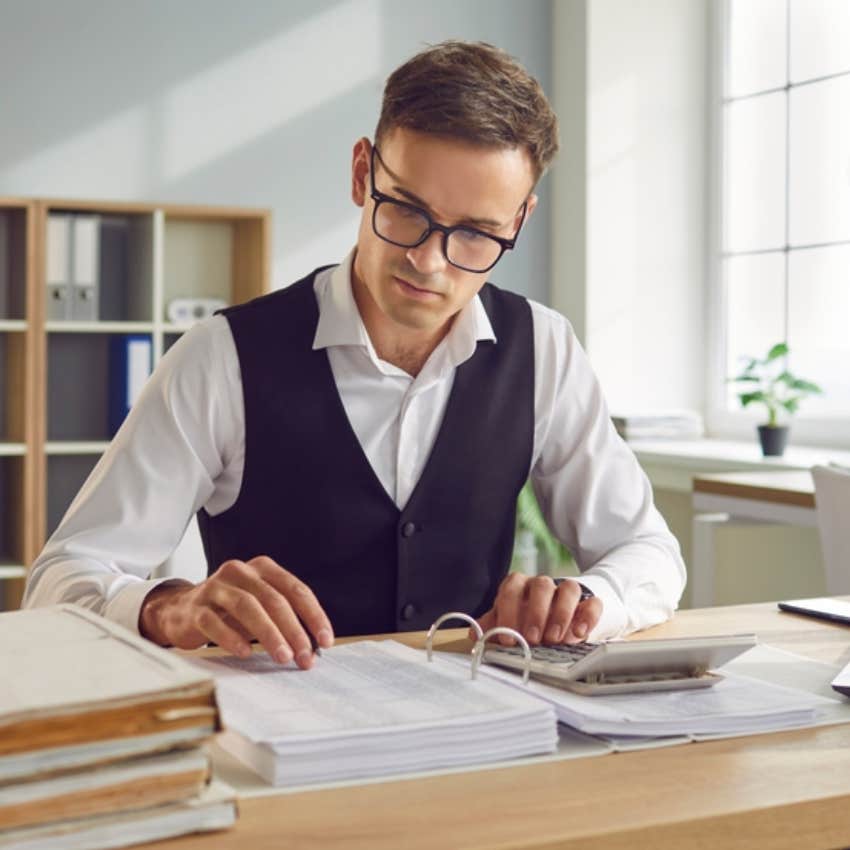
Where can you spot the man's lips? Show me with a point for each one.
(413, 288)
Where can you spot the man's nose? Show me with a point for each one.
(428, 258)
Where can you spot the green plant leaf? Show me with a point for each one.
(805, 386)
(791, 404)
(749, 398)
(778, 350)
(530, 518)
(745, 378)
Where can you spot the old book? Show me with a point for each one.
(80, 690)
(213, 809)
(131, 784)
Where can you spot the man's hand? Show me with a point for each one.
(238, 602)
(541, 611)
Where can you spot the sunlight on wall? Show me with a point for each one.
(239, 100)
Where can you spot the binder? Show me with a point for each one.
(58, 267)
(130, 359)
(85, 268)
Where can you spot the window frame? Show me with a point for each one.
(828, 430)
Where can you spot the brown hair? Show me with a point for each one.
(475, 92)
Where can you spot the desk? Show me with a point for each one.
(753, 497)
(786, 791)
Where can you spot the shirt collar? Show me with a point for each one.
(340, 322)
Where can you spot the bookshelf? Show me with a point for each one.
(55, 357)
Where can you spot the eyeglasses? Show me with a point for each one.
(407, 226)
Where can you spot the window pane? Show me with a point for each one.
(820, 38)
(819, 324)
(820, 162)
(757, 46)
(754, 174)
(755, 310)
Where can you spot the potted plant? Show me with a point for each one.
(769, 382)
(533, 538)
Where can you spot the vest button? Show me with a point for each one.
(408, 611)
(408, 529)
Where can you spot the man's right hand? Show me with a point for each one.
(240, 601)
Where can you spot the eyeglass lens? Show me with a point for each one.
(405, 226)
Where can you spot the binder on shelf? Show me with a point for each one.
(58, 267)
(85, 270)
(130, 362)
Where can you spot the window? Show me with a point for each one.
(783, 271)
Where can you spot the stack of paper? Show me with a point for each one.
(371, 709)
(740, 704)
(660, 424)
(97, 723)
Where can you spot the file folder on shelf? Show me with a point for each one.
(130, 358)
(73, 267)
(85, 271)
(58, 266)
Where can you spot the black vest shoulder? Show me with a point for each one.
(311, 501)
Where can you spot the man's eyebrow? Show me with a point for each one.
(415, 199)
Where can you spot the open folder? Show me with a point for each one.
(369, 709)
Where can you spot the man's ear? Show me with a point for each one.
(530, 204)
(360, 171)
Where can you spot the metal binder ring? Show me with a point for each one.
(452, 615)
(478, 649)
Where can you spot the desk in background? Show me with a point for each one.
(783, 791)
(782, 496)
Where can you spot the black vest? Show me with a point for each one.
(311, 501)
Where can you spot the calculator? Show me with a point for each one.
(626, 666)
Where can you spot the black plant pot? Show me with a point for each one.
(773, 439)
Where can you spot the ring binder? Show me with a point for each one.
(451, 615)
(478, 649)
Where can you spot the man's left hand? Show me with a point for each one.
(541, 611)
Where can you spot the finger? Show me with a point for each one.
(242, 604)
(539, 592)
(300, 597)
(584, 620)
(508, 605)
(272, 620)
(564, 603)
(210, 623)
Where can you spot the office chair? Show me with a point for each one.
(832, 497)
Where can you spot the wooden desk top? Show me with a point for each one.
(785, 791)
(782, 487)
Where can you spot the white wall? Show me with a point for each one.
(630, 209)
(213, 101)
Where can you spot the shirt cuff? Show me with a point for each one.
(125, 603)
(614, 619)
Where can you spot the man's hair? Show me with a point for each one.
(475, 92)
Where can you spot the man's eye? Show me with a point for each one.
(470, 236)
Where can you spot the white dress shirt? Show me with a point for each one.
(182, 448)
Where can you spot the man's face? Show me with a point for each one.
(456, 183)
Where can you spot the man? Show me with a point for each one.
(354, 444)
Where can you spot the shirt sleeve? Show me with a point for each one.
(183, 437)
(596, 498)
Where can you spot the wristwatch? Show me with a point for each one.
(586, 592)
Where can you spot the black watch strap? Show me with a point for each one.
(586, 592)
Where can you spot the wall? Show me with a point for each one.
(629, 218)
(210, 101)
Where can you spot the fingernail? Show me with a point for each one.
(283, 654)
(580, 629)
(325, 638)
(533, 635)
(243, 650)
(304, 658)
(553, 635)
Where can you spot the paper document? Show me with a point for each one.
(371, 708)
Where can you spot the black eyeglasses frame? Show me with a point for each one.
(380, 198)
